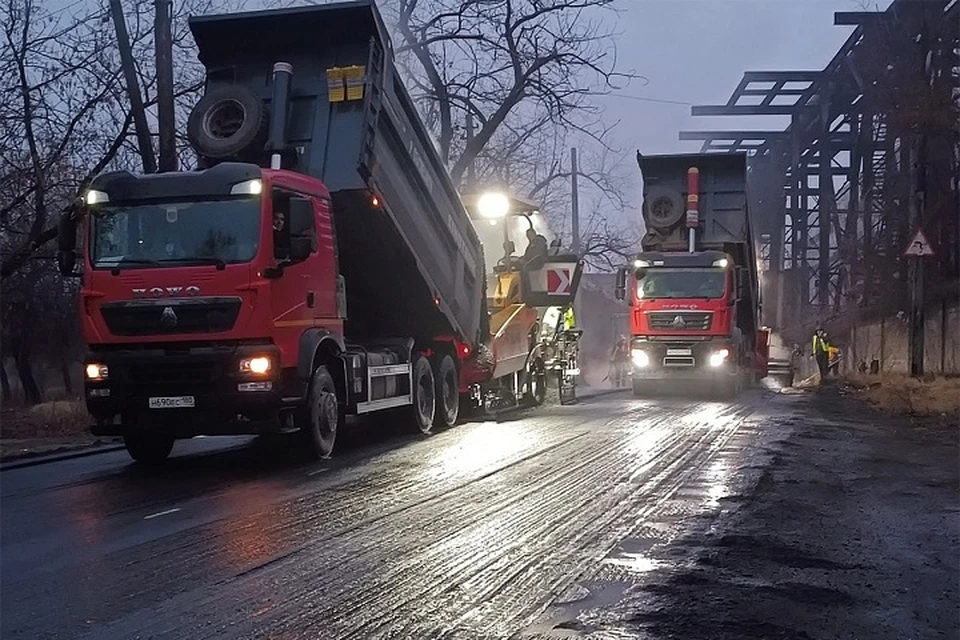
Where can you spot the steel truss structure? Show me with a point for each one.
(870, 155)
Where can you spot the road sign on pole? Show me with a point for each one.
(919, 246)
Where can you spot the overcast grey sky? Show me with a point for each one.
(697, 50)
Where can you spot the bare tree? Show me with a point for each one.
(65, 118)
(521, 75)
(516, 64)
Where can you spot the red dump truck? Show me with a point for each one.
(319, 264)
(694, 291)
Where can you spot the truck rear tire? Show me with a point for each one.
(447, 393)
(227, 121)
(319, 417)
(148, 448)
(424, 393)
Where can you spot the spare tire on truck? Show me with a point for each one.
(662, 208)
(227, 121)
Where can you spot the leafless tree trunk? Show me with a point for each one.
(31, 390)
(65, 374)
(5, 383)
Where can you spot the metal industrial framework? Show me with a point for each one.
(870, 156)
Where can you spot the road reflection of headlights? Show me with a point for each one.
(640, 358)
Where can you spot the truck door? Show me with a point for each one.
(328, 309)
(295, 291)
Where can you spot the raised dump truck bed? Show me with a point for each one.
(411, 260)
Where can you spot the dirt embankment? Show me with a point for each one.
(51, 427)
(853, 531)
(932, 397)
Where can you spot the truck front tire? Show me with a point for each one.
(319, 417)
(148, 448)
(424, 393)
(447, 393)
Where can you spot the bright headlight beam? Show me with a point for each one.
(640, 358)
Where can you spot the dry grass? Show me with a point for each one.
(905, 395)
(60, 418)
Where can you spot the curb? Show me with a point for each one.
(32, 461)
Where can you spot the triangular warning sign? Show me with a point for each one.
(919, 246)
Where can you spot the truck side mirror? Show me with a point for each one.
(620, 290)
(67, 245)
(737, 287)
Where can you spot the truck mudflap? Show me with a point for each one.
(763, 353)
(188, 392)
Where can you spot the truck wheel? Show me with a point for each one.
(227, 121)
(536, 393)
(148, 448)
(663, 208)
(424, 393)
(447, 393)
(319, 417)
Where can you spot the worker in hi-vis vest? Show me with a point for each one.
(821, 351)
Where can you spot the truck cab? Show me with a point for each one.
(682, 316)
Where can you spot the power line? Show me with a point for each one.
(645, 99)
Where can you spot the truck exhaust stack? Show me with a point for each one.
(277, 136)
(693, 207)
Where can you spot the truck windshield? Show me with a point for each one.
(681, 283)
(150, 235)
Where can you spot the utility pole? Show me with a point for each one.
(133, 89)
(163, 44)
(574, 200)
(472, 167)
(917, 215)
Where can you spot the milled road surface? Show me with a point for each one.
(487, 530)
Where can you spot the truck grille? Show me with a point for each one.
(680, 321)
(164, 317)
(173, 372)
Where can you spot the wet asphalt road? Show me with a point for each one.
(487, 530)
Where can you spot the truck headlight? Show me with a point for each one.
(717, 358)
(258, 365)
(640, 358)
(96, 371)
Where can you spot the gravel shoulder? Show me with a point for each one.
(851, 531)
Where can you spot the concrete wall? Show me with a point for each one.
(888, 340)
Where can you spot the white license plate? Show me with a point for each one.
(173, 402)
(679, 352)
